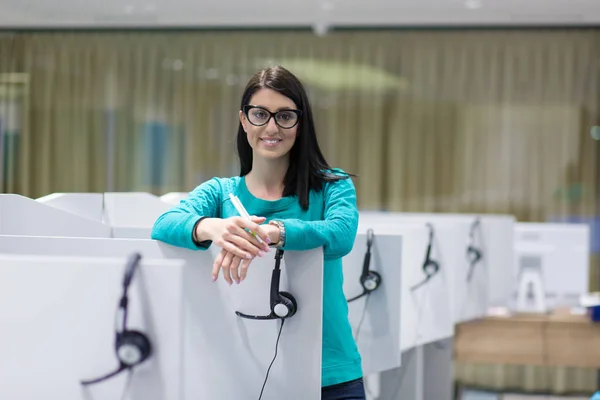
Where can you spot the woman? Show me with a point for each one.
(300, 203)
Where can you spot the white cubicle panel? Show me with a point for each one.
(496, 235)
(129, 215)
(132, 215)
(20, 215)
(375, 317)
(87, 205)
(174, 198)
(561, 252)
(470, 290)
(58, 327)
(426, 311)
(216, 341)
(131, 232)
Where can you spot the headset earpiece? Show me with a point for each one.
(283, 304)
(133, 348)
(474, 254)
(371, 281)
(430, 266)
(286, 306)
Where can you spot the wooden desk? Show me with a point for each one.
(545, 340)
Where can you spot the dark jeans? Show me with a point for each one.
(353, 390)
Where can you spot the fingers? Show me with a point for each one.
(235, 266)
(217, 265)
(244, 269)
(235, 248)
(247, 242)
(238, 247)
(253, 226)
(266, 240)
(226, 267)
(254, 234)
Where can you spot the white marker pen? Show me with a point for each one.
(243, 213)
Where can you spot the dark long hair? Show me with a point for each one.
(308, 170)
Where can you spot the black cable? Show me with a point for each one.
(127, 384)
(272, 361)
(362, 318)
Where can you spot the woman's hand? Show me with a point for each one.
(233, 234)
(235, 268)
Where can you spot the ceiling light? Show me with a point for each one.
(473, 4)
(340, 75)
(321, 28)
(327, 6)
(177, 65)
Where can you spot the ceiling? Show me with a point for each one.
(316, 13)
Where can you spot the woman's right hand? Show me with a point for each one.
(233, 235)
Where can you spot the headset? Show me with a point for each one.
(369, 279)
(474, 255)
(430, 267)
(132, 347)
(283, 304)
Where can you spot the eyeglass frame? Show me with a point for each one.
(248, 107)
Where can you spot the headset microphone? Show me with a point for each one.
(370, 280)
(131, 347)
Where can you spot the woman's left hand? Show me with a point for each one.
(235, 268)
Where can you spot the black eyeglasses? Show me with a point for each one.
(259, 116)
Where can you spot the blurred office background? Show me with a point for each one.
(438, 106)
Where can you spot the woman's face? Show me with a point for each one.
(270, 137)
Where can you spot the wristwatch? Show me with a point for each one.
(281, 227)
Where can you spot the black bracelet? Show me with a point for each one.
(204, 243)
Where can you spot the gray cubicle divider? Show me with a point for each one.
(496, 235)
(133, 209)
(132, 214)
(469, 300)
(219, 347)
(426, 312)
(87, 205)
(129, 215)
(20, 215)
(58, 327)
(375, 318)
(425, 315)
(131, 232)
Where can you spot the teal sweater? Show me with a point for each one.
(331, 222)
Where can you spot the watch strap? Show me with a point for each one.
(281, 227)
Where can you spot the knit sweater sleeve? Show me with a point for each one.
(336, 232)
(175, 227)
